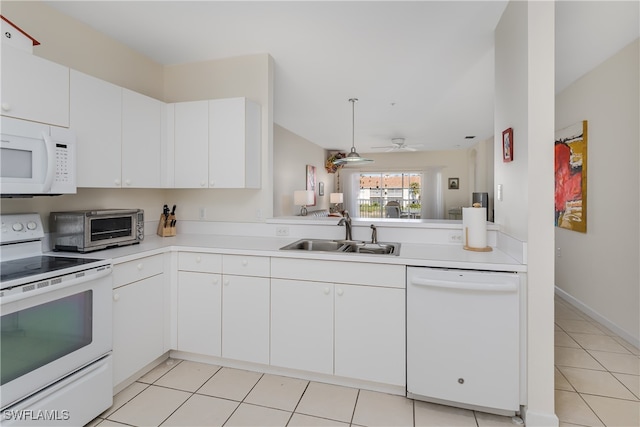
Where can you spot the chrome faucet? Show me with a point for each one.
(346, 221)
(374, 234)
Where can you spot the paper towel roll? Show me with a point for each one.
(474, 227)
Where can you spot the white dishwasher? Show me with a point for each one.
(463, 346)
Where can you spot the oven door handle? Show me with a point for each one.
(53, 288)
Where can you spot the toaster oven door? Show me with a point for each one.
(104, 231)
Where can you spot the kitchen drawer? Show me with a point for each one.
(133, 271)
(200, 262)
(351, 272)
(246, 265)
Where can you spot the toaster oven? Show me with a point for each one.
(86, 231)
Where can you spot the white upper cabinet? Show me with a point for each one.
(34, 88)
(96, 118)
(191, 144)
(234, 143)
(141, 140)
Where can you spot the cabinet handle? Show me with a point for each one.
(226, 282)
(117, 182)
(214, 281)
(326, 290)
(6, 106)
(127, 182)
(140, 266)
(198, 259)
(340, 292)
(245, 262)
(203, 183)
(212, 184)
(116, 297)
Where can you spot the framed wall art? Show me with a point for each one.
(311, 182)
(454, 183)
(507, 145)
(571, 177)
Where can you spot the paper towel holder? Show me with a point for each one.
(466, 237)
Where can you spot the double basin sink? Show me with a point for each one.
(344, 246)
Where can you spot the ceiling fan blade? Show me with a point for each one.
(384, 146)
(408, 148)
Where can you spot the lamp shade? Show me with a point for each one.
(335, 198)
(302, 197)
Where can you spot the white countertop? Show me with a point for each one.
(413, 254)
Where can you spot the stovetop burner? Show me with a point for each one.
(31, 266)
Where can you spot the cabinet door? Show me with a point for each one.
(302, 325)
(137, 326)
(234, 143)
(370, 333)
(141, 140)
(34, 88)
(96, 118)
(199, 312)
(245, 318)
(191, 139)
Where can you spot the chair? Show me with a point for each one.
(392, 210)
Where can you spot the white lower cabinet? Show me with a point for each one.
(199, 312)
(224, 314)
(345, 329)
(370, 333)
(138, 316)
(245, 318)
(302, 325)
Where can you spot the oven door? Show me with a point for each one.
(49, 333)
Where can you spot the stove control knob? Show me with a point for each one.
(31, 225)
(17, 226)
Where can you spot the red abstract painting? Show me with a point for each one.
(571, 177)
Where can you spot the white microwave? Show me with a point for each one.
(36, 159)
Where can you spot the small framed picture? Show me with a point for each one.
(507, 145)
(454, 183)
(320, 188)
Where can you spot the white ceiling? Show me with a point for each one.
(422, 70)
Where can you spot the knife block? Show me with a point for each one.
(164, 226)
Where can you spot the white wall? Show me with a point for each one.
(524, 100)
(599, 268)
(291, 154)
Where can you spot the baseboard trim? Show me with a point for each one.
(597, 316)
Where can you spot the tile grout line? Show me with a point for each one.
(604, 367)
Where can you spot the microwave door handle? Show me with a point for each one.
(51, 163)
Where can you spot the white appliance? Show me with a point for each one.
(36, 159)
(463, 346)
(55, 331)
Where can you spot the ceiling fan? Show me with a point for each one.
(398, 144)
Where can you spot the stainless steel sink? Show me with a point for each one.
(344, 246)
(374, 248)
(316, 245)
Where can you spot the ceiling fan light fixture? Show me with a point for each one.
(353, 157)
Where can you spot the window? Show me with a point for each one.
(389, 195)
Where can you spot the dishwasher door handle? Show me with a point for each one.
(465, 286)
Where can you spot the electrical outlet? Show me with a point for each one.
(455, 237)
(282, 231)
(559, 252)
(203, 213)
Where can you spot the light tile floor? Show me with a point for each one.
(597, 384)
(597, 373)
